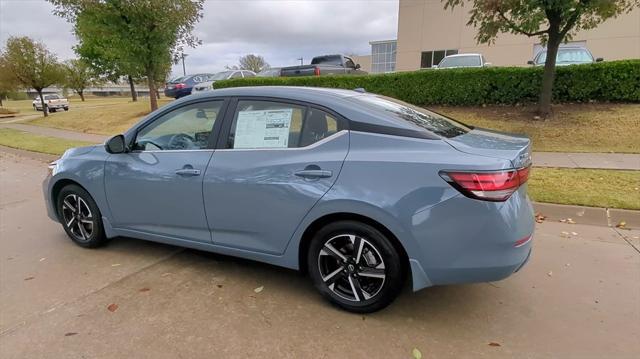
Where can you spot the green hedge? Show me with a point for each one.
(617, 81)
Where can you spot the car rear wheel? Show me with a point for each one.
(355, 266)
(80, 217)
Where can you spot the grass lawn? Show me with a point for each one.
(36, 143)
(595, 188)
(573, 128)
(101, 115)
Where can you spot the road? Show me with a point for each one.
(579, 297)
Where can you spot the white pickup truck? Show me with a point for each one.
(52, 102)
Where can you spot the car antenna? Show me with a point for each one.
(360, 89)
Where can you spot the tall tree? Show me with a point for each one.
(143, 34)
(8, 81)
(32, 65)
(79, 76)
(553, 21)
(255, 63)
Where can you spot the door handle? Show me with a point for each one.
(314, 173)
(187, 172)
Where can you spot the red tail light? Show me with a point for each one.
(180, 86)
(316, 71)
(495, 186)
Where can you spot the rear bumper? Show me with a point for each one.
(464, 240)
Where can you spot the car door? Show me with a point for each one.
(156, 188)
(278, 159)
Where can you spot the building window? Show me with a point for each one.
(383, 56)
(431, 58)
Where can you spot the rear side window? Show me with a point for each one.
(418, 116)
(268, 124)
(329, 60)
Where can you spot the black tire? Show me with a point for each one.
(53, 110)
(362, 283)
(85, 229)
(66, 109)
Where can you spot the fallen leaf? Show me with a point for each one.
(550, 274)
(112, 307)
(574, 233)
(70, 334)
(165, 274)
(43, 258)
(621, 225)
(570, 221)
(494, 344)
(540, 218)
(115, 265)
(145, 289)
(259, 289)
(29, 278)
(564, 234)
(568, 265)
(416, 353)
(219, 285)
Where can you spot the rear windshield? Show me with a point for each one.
(180, 79)
(419, 116)
(329, 60)
(460, 61)
(52, 97)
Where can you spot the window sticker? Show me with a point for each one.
(263, 129)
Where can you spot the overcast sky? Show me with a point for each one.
(281, 31)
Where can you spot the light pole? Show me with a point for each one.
(301, 59)
(184, 70)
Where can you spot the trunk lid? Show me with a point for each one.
(479, 141)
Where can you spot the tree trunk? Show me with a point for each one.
(132, 88)
(153, 99)
(45, 110)
(81, 93)
(0, 101)
(546, 93)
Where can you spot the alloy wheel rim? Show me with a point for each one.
(77, 217)
(352, 267)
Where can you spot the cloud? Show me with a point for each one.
(280, 31)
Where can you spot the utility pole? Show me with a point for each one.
(301, 59)
(184, 70)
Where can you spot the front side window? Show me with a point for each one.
(236, 75)
(186, 128)
(267, 124)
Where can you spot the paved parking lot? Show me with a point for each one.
(579, 297)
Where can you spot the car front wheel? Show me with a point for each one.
(355, 266)
(80, 217)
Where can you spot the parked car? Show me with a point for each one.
(224, 75)
(569, 55)
(182, 86)
(270, 72)
(463, 60)
(359, 190)
(325, 65)
(52, 102)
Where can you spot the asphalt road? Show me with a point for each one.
(579, 297)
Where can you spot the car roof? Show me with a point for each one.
(466, 54)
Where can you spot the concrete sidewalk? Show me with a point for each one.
(614, 161)
(617, 161)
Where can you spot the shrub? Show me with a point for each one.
(617, 81)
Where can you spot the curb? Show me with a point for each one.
(605, 217)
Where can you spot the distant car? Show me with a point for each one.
(271, 72)
(463, 60)
(574, 55)
(52, 102)
(363, 192)
(325, 65)
(182, 86)
(224, 75)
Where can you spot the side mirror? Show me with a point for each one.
(357, 66)
(530, 62)
(115, 144)
(599, 59)
(434, 66)
(488, 64)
